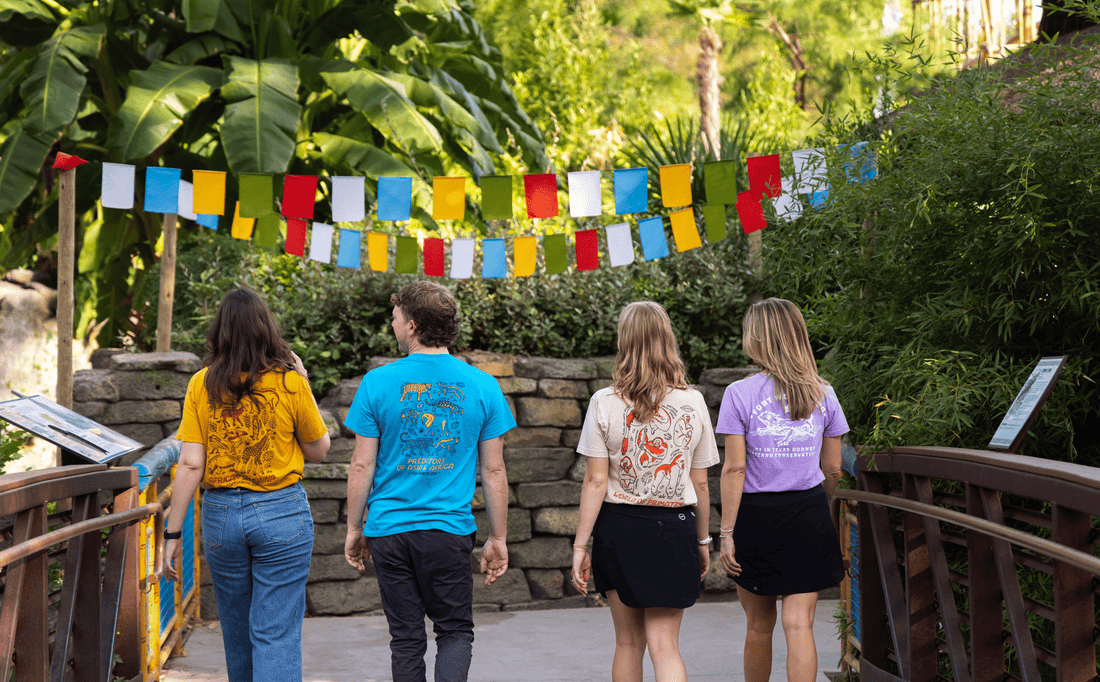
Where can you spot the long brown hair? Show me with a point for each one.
(648, 363)
(775, 338)
(243, 339)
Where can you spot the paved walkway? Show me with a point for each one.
(568, 645)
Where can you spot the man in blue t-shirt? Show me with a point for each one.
(421, 425)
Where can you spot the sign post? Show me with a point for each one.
(1025, 408)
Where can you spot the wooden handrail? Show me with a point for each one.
(43, 542)
(1062, 553)
(1062, 471)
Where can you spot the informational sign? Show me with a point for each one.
(1025, 408)
(73, 432)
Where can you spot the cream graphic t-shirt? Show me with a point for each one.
(650, 461)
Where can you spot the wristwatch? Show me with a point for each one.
(168, 535)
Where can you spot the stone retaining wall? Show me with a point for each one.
(141, 396)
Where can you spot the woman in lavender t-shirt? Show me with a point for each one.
(783, 429)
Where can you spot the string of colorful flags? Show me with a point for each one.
(255, 216)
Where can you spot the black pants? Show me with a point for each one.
(427, 572)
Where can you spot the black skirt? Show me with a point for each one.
(648, 555)
(786, 543)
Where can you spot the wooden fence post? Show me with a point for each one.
(167, 285)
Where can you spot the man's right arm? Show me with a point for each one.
(494, 487)
(360, 480)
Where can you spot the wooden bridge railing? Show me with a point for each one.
(59, 523)
(78, 547)
(946, 539)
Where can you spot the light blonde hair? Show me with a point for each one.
(775, 338)
(648, 363)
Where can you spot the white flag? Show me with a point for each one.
(462, 258)
(620, 246)
(187, 195)
(809, 170)
(584, 194)
(320, 243)
(348, 199)
(118, 186)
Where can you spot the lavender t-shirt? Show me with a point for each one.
(781, 454)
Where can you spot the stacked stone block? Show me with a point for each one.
(141, 395)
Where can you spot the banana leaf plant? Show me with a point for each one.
(314, 87)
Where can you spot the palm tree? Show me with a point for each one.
(709, 13)
(314, 87)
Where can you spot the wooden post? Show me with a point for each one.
(66, 266)
(756, 263)
(167, 285)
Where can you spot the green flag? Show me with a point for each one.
(496, 197)
(555, 253)
(720, 182)
(714, 217)
(407, 252)
(257, 195)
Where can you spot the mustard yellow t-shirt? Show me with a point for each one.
(252, 444)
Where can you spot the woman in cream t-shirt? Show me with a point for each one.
(644, 502)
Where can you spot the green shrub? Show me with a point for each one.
(336, 318)
(938, 285)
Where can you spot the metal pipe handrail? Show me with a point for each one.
(1077, 559)
(44, 542)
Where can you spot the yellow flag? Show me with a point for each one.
(524, 251)
(377, 251)
(448, 198)
(209, 192)
(242, 227)
(676, 185)
(684, 231)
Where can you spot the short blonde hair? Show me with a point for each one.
(775, 338)
(648, 363)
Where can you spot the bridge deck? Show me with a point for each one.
(526, 646)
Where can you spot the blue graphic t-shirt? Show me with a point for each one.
(429, 412)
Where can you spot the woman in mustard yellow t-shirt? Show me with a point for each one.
(249, 424)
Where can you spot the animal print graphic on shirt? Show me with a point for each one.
(654, 454)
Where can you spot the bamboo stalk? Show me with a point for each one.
(167, 285)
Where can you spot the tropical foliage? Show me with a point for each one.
(315, 87)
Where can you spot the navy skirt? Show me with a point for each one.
(786, 543)
(648, 555)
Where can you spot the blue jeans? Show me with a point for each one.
(258, 547)
(427, 572)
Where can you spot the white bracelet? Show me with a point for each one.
(707, 541)
(725, 530)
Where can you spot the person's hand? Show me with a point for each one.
(170, 558)
(704, 561)
(726, 555)
(356, 550)
(494, 559)
(299, 367)
(582, 570)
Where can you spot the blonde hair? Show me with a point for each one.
(648, 363)
(775, 338)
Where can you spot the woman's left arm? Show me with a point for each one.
(702, 518)
(830, 466)
(189, 472)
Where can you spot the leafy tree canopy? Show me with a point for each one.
(315, 87)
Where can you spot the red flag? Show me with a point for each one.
(67, 161)
(751, 212)
(433, 257)
(299, 195)
(588, 257)
(541, 192)
(296, 236)
(764, 176)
